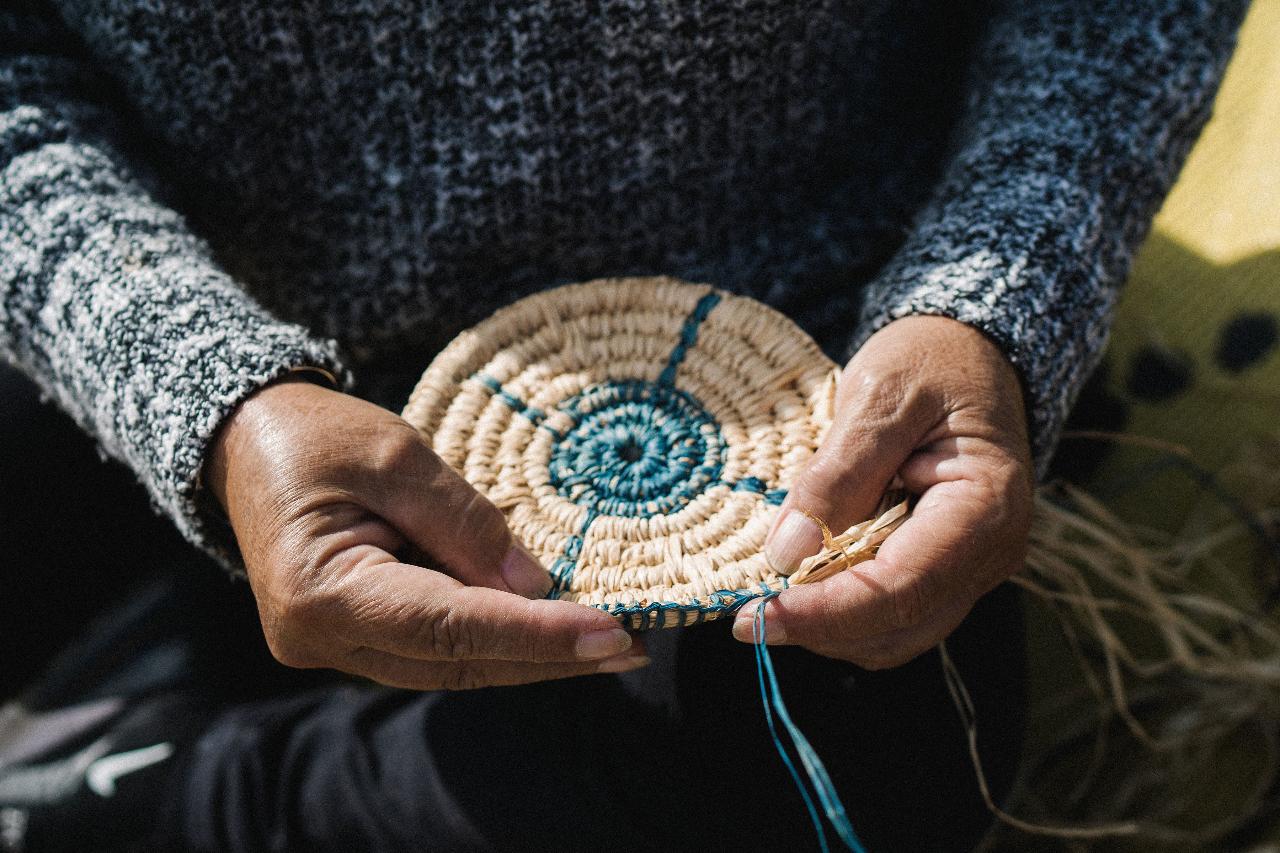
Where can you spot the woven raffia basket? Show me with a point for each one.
(640, 435)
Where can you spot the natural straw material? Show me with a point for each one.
(640, 435)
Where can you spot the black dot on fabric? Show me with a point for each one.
(1246, 340)
(1157, 374)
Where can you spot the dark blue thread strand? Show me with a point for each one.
(763, 664)
(823, 787)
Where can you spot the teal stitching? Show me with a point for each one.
(563, 568)
(681, 454)
(637, 450)
(688, 336)
(489, 382)
(755, 484)
(727, 601)
(537, 416)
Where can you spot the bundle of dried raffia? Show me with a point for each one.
(1158, 720)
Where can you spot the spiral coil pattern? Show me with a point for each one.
(639, 434)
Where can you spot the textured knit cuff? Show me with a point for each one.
(228, 377)
(1037, 294)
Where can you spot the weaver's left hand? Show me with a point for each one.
(936, 403)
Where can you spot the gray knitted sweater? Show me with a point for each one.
(196, 195)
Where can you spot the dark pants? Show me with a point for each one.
(676, 756)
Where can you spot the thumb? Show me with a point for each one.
(443, 516)
(879, 421)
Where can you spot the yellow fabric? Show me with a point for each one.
(1214, 253)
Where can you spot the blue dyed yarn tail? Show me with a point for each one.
(823, 789)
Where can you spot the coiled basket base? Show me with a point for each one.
(640, 435)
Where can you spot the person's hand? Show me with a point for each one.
(932, 401)
(338, 507)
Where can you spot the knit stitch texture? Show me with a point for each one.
(197, 195)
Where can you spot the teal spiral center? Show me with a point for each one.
(638, 449)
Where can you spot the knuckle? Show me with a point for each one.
(834, 489)
(910, 600)
(296, 608)
(539, 646)
(448, 637)
(877, 398)
(1007, 503)
(482, 527)
(399, 449)
(288, 651)
(483, 520)
(308, 606)
(828, 475)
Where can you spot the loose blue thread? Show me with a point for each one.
(771, 695)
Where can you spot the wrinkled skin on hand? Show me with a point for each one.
(934, 402)
(367, 554)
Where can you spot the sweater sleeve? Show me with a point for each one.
(1079, 116)
(107, 300)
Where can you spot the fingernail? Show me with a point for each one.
(795, 538)
(523, 574)
(744, 626)
(623, 663)
(595, 645)
(743, 629)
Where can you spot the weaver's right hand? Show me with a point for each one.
(337, 504)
